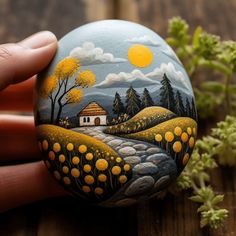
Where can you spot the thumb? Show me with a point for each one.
(22, 60)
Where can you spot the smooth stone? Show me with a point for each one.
(108, 139)
(132, 160)
(157, 158)
(140, 153)
(100, 136)
(115, 142)
(126, 202)
(127, 151)
(153, 150)
(127, 144)
(163, 181)
(140, 185)
(145, 168)
(140, 147)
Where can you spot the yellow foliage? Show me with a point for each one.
(74, 96)
(48, 86)
(86, 79)
(66, 67)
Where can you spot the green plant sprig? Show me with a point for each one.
(204, 50)
(195, 176)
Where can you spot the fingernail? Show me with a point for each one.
(38, 40)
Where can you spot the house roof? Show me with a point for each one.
(92, 109)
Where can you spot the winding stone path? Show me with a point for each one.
(152, 167)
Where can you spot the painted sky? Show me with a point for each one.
(102, 47)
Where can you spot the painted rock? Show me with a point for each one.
(115, 113)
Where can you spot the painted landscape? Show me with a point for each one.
(113, 136)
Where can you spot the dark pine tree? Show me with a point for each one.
(146, 99)
(179, 106)
(187, 108)
(133, 102)
(118, 107)
(167, 94)
(193, 110)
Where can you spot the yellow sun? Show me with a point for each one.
(140, 55)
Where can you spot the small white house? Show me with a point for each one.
(92, 115)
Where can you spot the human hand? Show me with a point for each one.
(28, 181)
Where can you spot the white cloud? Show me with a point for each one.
(123, 80)
(88, 54)
(146, 39)
(170, 53)
(170, 71)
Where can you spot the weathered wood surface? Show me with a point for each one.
(175, 215)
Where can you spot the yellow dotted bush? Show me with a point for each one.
(87, 168)
(56, 147)
(122, 179)
(82, 148)
(75, 172)
(189, 130)
(62, 158)
(118, 159)
(75, 160)
(66, 180)
(89, 179)
(126, 167)
(51, 155)
(70, 146)
(178, 131)
(101, 164)
(191, 142)
(158, 138)
(45, 145)
(89, 156)
(177, 146)
(102, 178)
(185, 159)
(65, 169)
(115, 170)
(98, 191)
(169, 137)
(184, 137)
(86, 189)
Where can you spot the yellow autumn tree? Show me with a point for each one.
(85, 79)
(74, 96)
(66, 68)
(59, 90)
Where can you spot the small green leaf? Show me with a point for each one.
(196, 198)
(196, 34)
(217, 199)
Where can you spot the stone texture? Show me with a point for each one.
(145, 168)
(127, 151)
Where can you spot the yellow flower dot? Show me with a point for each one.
(98, 190)
(75, 172)
(118, 159)
(51, 155)
(65, 169)
(178, 131)
(87, 168)
(102, 178)
(126, 167)
(56, 147)
(57, 175)
(82, 148)
(89, 179)
(158, 138)
(122, 179)
(89, 156)
(47, 163)
(184, 137)
(70, 146)
(101, 164)
(177, 146)
(194, 131)
(189, 130)
(169, 137)
(62, 158)
(191, 142)
(75, 160)
(112, 158)
(185, 159)
(86, 189)
(45, 145)
(116, 170)
(66, 180)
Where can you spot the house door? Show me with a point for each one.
(97, 121)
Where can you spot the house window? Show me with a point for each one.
(84, 119)
(88, 119)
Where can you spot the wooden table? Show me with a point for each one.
(175, 215)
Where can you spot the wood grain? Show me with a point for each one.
(174, 215)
